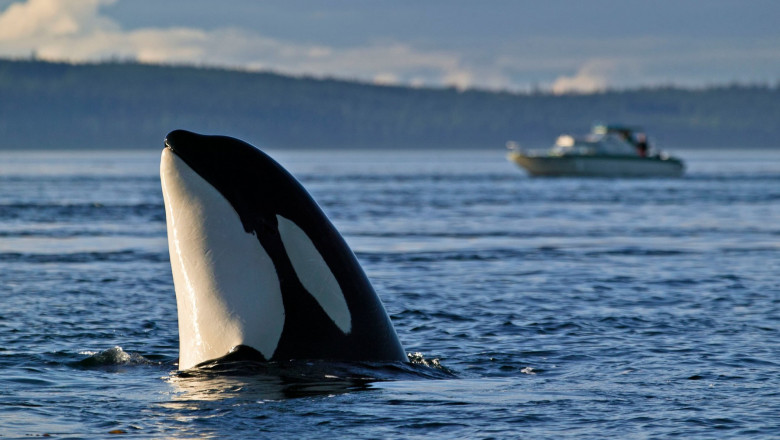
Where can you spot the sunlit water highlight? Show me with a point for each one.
(556, 307)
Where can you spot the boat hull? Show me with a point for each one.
(598, 166)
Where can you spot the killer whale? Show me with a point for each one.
(257, 264)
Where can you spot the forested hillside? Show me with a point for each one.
(129, 105)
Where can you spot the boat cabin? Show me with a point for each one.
(609, 140)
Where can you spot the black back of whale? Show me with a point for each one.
(259, 189)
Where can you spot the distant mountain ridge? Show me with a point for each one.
(121, 105)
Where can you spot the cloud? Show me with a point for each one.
(461, 80)
(593, 76)
(39, 20)
(80, 31)
(75, 31)
(386, 79)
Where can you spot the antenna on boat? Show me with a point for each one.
(513, 146)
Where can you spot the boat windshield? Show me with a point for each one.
(596, 143)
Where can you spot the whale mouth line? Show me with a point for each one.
(177, 136)
(181, 151)
(169, 146)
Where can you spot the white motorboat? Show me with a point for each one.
(608, 151)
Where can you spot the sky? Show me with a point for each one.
(561, 46)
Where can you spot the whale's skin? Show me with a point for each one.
(256, 263)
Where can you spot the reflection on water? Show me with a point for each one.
(569, 308)
(267, 381)
(258, 386)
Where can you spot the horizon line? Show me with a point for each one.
(534, 90)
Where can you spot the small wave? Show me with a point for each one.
(543, 252)
(84, 257)
(44, 212)
(111, 357)
(639, 252)
(399, 178)
(247, 361)
(241, 373)
(77, 233)
(417, 358)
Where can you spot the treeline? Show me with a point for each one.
(129, 105)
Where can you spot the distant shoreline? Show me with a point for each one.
(131, 106)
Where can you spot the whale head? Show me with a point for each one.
(256, 263)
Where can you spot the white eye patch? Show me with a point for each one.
(314, 273)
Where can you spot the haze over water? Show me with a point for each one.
(558, 308)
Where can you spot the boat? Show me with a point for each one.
(608, 151)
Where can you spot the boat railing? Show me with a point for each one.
(515, 148)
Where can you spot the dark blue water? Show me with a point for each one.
(541, 308)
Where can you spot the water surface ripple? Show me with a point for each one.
(543, 308)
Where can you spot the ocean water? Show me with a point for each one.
(537, 308)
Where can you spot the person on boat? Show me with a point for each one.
(641, 144)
